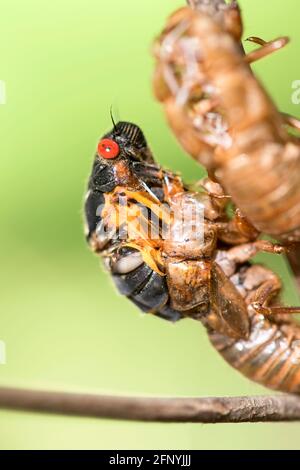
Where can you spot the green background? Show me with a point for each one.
(64, 63)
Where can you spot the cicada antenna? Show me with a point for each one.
(112, 117)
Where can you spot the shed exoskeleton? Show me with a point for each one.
(224, 118)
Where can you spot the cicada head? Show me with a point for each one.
(124, 141)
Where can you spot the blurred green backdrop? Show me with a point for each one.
(64, 63)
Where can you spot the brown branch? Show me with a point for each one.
(196, 410)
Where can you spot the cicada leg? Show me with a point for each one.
(243, 253)
(270, 285)
(266, 49)
(291, 121)
(238, 230)
(264, 295)
(215, 200)
(213, 188)
(235, 231)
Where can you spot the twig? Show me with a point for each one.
(196, 410)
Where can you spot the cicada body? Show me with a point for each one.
(122, 164)
(166, 248)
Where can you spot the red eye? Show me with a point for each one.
(108, 148)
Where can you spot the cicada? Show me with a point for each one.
(175, 253)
